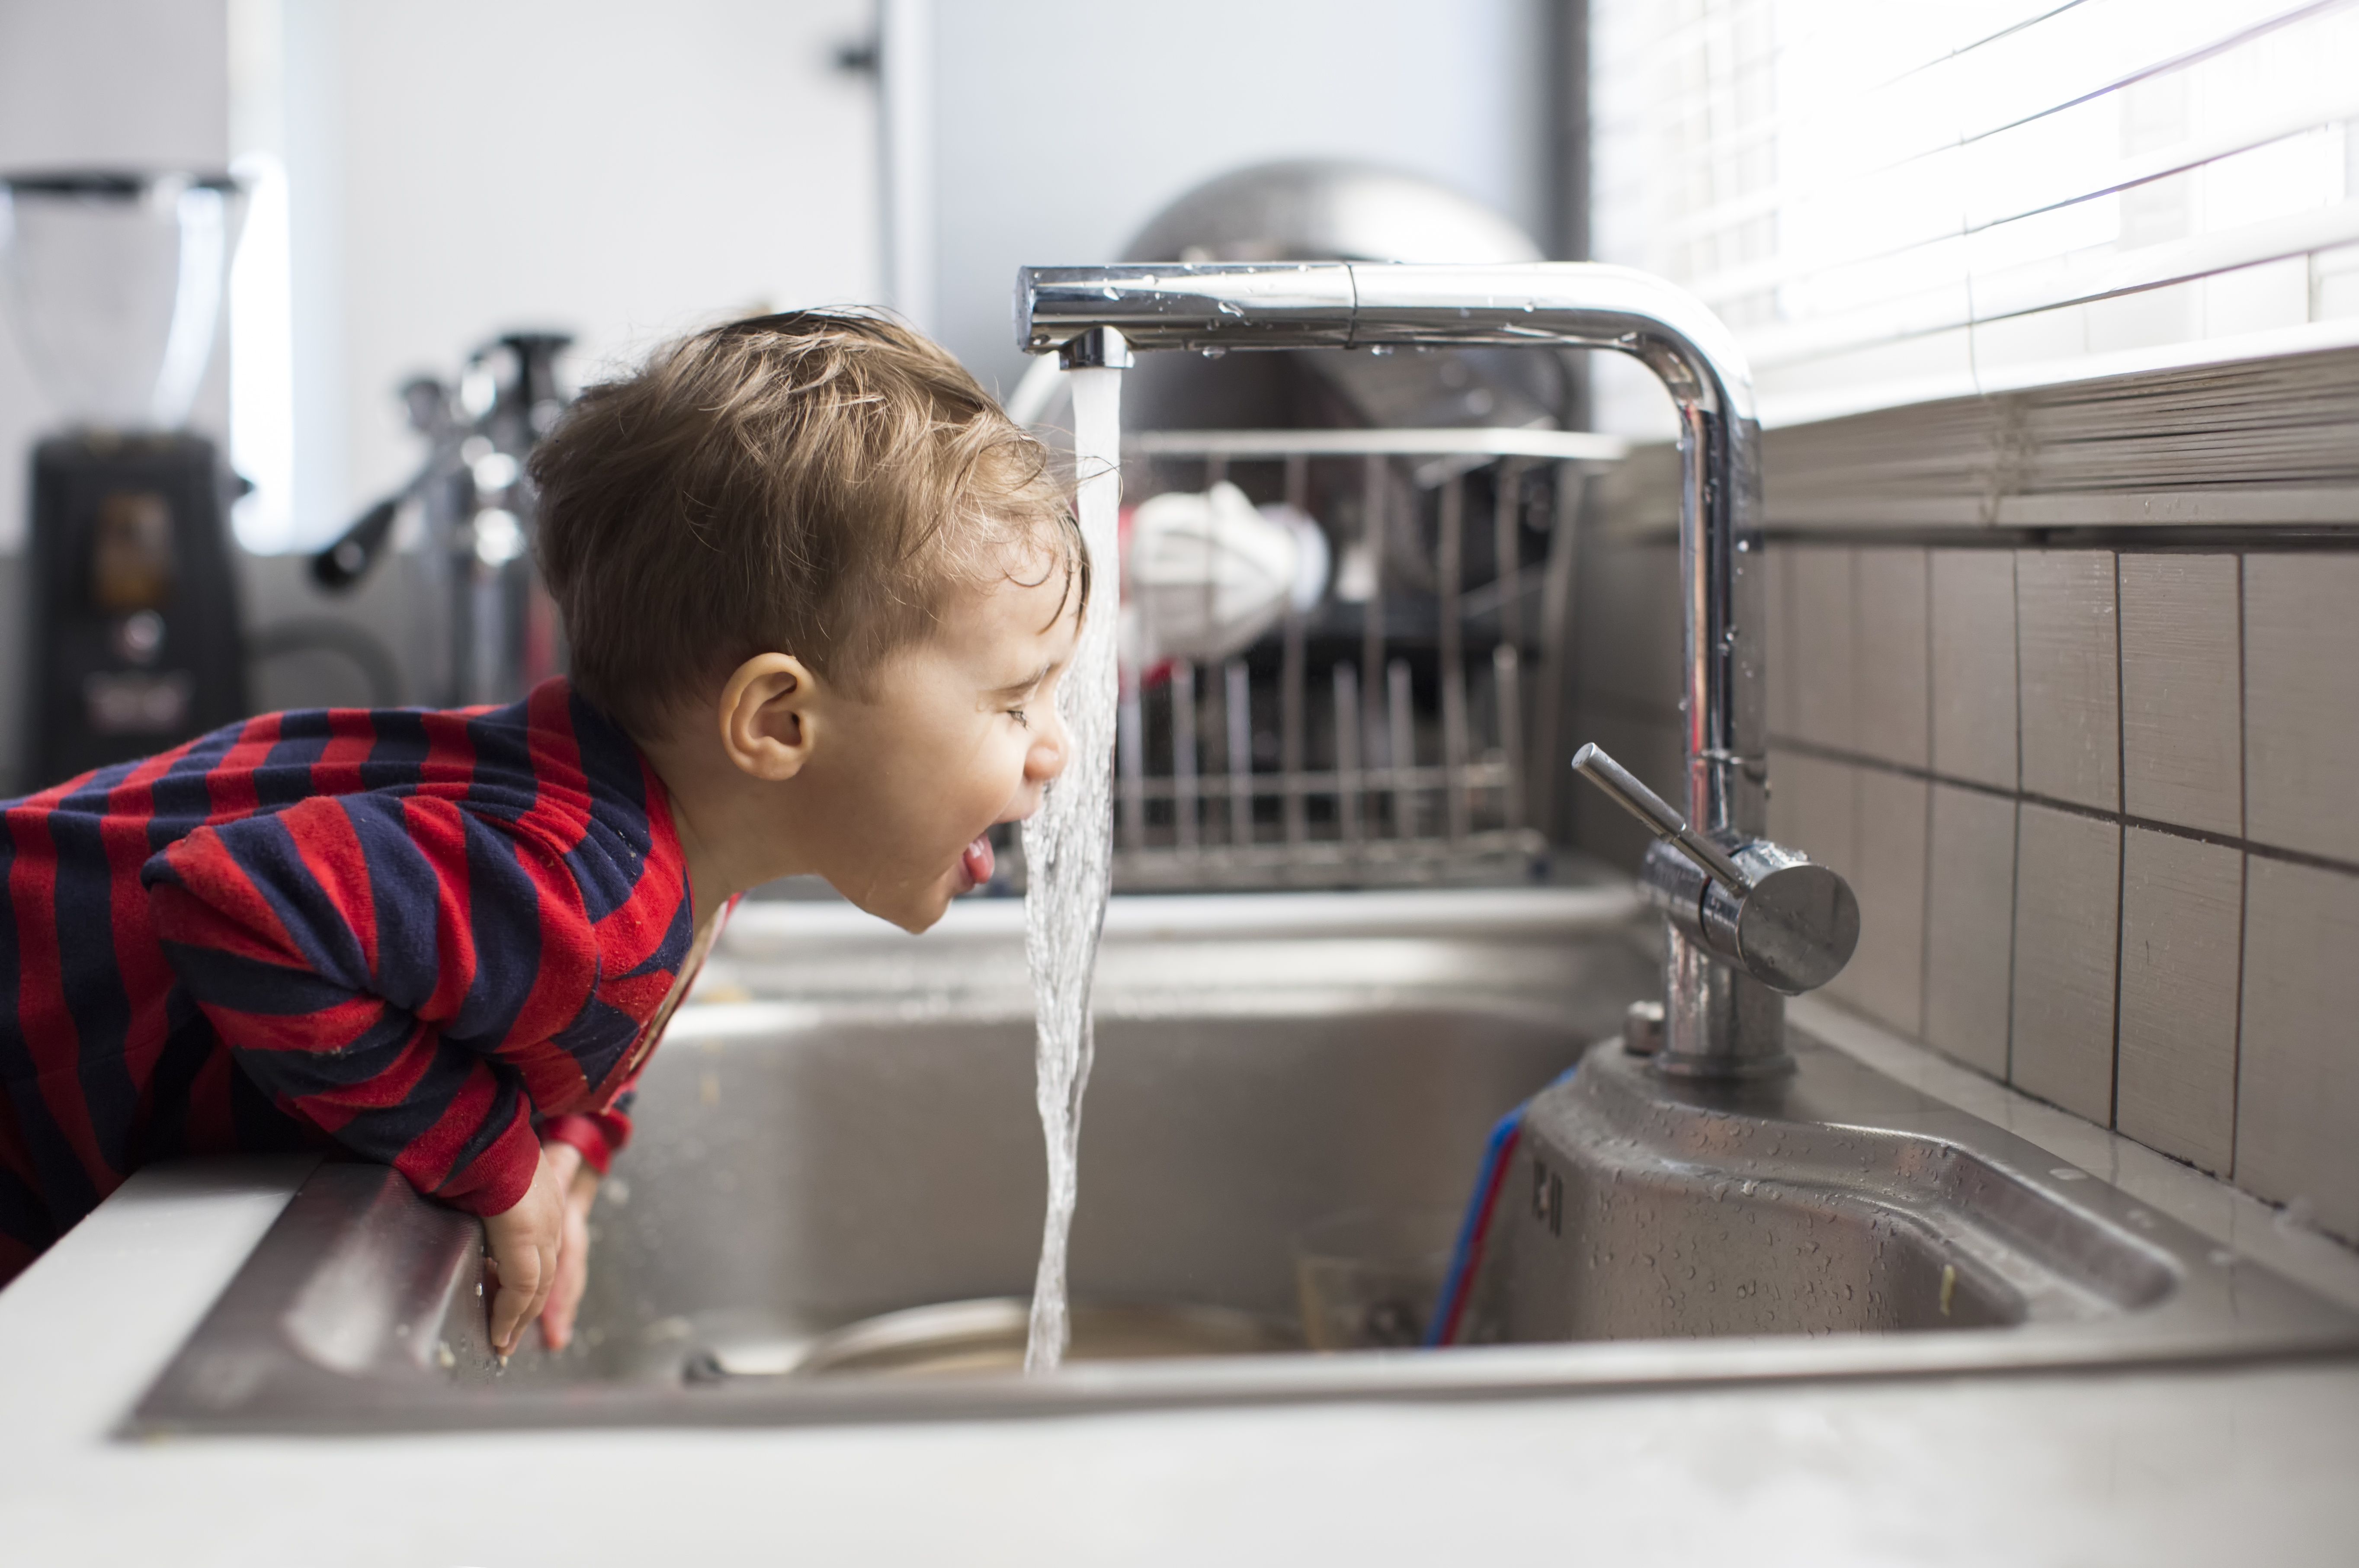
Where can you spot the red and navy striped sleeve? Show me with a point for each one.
(377, 963)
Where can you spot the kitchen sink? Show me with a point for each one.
(1263, 1063)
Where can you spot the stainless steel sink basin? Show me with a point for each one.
(802, 1166)
(796, 1176)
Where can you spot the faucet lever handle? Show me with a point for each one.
(1786, 920)
(1622, 788)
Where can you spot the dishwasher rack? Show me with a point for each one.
(1388, 734)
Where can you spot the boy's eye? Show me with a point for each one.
(1017, 714)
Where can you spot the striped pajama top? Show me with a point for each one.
(429, 937)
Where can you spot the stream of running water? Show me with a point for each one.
(1067, 856)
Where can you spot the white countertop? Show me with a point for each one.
(2252, 1464)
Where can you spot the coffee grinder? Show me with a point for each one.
(114, 281)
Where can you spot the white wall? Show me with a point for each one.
(619, 169)
(1062, 125)
(625, 170)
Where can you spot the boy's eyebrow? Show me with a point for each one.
(1018, 687)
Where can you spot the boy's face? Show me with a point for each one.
(959, 732)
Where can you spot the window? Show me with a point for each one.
(1895, 203)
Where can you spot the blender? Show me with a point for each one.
(114, 281)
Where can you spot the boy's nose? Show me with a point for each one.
(1051, 744)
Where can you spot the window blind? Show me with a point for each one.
(1893, 204)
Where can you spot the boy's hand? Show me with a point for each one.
(540, 1251)
(581, 1181)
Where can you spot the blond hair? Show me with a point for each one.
(819, 483)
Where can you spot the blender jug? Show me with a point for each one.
(113, 281)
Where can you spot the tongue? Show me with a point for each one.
(976, 858)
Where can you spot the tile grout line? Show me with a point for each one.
(1851, 660)
(1925, 886)
(2236, 1044)
(1851, 725)
(2162, 538)
(2015, 884)
(2121, 853)
(2243, 889)
(2075, 808)
(2013, 903)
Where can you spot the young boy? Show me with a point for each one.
(819, 593)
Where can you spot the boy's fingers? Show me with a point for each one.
(548, 1282)
(508, 1307)
(522, 1273)
(527, 1245)
(573, 1270)
(564, 1301)
(556, 1322)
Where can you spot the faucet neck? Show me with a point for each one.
(1712, 1014)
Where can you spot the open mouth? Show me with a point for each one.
(975, 863)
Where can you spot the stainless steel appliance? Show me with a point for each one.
(114, 280)
(487, 630)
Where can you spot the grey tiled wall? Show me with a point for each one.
(2101, 807)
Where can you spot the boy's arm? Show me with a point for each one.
(599, 1136)
(364, 956)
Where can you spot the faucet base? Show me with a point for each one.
(1717, 1023)
(1723, 1069)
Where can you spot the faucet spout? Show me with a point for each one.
(1719, 1021)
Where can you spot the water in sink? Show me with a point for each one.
(1068, 856)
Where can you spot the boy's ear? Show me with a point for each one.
(767, 705)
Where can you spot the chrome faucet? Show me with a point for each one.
(1748, 922)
